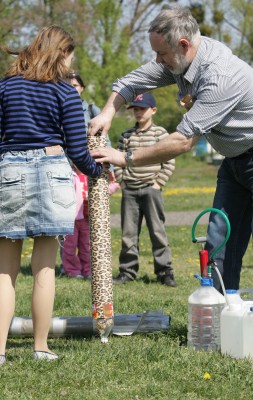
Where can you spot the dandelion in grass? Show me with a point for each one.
(194, 190)
(207, 376)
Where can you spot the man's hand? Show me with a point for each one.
(108, 155)
(100, 123)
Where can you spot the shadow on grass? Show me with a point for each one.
(148, 280)
(179, 333)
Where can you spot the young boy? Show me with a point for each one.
(142, 197)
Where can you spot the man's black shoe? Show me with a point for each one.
(167, 279)
(121, 279)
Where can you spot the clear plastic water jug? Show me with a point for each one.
(204, 309)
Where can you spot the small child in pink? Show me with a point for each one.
(76, 247)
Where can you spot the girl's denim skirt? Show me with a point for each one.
(37, 196)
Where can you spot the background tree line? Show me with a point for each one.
(112, 39)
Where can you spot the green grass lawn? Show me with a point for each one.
(156, 366)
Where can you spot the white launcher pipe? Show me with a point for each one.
(124, 324)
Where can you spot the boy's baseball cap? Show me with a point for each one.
(144, 100)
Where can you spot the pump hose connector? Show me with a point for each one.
(194, 240)
(211, 262)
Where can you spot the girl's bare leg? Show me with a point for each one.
(43, 267)
(10, 255)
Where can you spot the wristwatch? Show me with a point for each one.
(129, 158)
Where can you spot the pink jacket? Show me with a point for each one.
(81, 189)
(79, 196)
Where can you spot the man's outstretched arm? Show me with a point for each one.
(168, 148)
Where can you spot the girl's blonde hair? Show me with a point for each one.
(44, 59)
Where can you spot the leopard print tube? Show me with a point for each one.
(100, 248)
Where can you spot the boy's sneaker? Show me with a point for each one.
(167, 279)
(122, 279)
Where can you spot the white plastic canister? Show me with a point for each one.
(231, 330)
(237, 328)
(247, 330)
(234, 296)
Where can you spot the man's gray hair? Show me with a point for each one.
(174, 24)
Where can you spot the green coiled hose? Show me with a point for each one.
(194, 240)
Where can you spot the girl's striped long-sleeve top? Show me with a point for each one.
(34, 115)
(138, 177)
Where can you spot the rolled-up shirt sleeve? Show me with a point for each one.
(145, 78)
